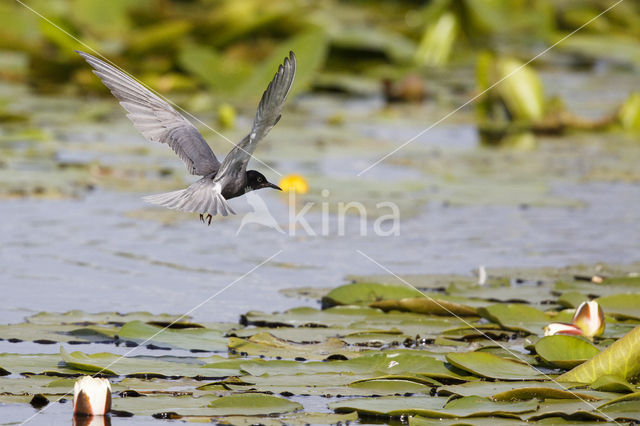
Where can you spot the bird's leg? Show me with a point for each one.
(209, 217)
(201, 218)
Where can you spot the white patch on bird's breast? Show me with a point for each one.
(247, 189)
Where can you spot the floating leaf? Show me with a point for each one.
(391, 386)
(610, 383)
(202, 339)
(622, 306)
(427, 305)
(253, 404)
(565, 351)
(81, 317)
(490, 388)
(366, 293)
(492, 366)
(621, 359)
(32, 363)
(114, 365)
(516, 317)
(527, 393)
(265, 344)
(433, 407)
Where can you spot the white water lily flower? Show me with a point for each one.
(590, 318)
(91, 396)
(562, 328)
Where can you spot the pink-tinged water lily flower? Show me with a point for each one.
(562, 328)
(91, 396)
(589, 317)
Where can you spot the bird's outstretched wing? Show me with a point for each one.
(267, 116)
(156, 119)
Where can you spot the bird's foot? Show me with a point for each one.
(209, 217)
(201, 218)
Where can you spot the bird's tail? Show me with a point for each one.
(202, 197)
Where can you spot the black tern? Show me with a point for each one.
(160, 122)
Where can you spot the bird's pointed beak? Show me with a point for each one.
(274, 186)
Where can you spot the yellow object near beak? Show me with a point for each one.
(295, 183)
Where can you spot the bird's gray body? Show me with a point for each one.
(160, 122)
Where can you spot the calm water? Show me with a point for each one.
(106, 250)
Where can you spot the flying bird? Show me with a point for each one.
(160, 122)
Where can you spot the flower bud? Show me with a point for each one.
(561, 328)
(590, 318)
(91, 397)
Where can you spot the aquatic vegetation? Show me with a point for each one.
(487, 359)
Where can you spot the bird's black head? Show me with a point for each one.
(256, 180)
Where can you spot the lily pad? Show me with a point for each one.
(610, 383)
(516, 317)
(527, 393)
(621, 305)
(391, 386)
(565, 351)
(427, 305)
(78, 317)
(621, 359)
(253, 404)
(202, 339)
(434, 407)
(492, 366)
(116, 365)
(265, 344)
(366, 293)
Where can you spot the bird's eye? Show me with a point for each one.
(259, 179)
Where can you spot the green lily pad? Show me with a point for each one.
(621, 305)
(623, 411)
(391, 387)
(371, 364)
(33, 364)
(527, 393)
(184, 338)
(265, 344)
(611, 383)
(479, 421)
(427, 305)
(492, 366)
(433, 407)
(116, 365)
(366, 293)
(489, 389)
(516, 317)
(565, 351)
(36, 384)
(621, 359)
(253, 404)
(296, 419)
(475, 406)
(576, 410)
(80, 317)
